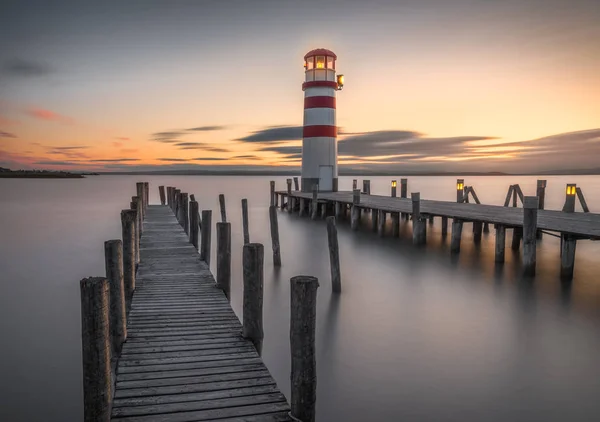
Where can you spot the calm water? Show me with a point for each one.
(415, 335)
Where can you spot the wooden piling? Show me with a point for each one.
(500, 243)
(381, 223)
(570, 198)
(419, 226)
(302, 210)
(161, 192)
(194, 223)
(140, 189)
(113, 263)
(302, 345)
(403, 194)
(567, 258)
(354, 184)
(516, 239)
(354, 217)
(136, 228)
(530, 211)
(146, 197)
(289, 187)
(224, 258)
(205, 239)
(541, 193)
(460, 192)
(168, 196)
(337, 210)
(245, 221)
(324, 210)
(291, 204)
(128, 218)
(222, 208)
(477, 231)
(95, 331)
(185, 208)
(582, 200)
(253, 261)
(374, 220)
(275, 236)
(192, 197)
(296, 185)
(395, 216)
(314, 205)
(444, 226)
(393, 193)
(334, 255)
(456, 235)
(272, 187)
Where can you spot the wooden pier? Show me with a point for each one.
(185, 358)
(160, 340)
(528, 223)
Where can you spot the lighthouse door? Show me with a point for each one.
(325, 178)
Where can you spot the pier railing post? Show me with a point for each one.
(224, 258)
(205, 240)
(354, 184)
(146, 197)
(245, 221)
(113, 261)
(128, 233)
(194, 223)
(296, 185)
(137, 224)
(289, 187)
(95, 331)
(419, 226)
(334, 255)
(253, 261)
(272, 187)
(275, 236)
(185, 207)
(302, 344)
(393, 193)
(404, 193)
(222, 208)
(161, 193)
(140, 192)
(530, 211)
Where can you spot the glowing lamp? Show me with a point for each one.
(394, 183)
(340, 81)
(460, 185)
(571, 190)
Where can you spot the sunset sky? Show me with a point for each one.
(457, 85)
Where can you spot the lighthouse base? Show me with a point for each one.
(309, 182)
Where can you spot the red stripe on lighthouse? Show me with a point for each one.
(319, 102)
(328, 84)
(319, 131)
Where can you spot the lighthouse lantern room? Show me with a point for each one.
(319, 145)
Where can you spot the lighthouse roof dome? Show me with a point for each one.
(320, 52)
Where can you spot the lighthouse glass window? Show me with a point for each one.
(330, 62)
(310, 63)
(320, 62)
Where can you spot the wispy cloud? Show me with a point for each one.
(21, 68)
(7, 134)
(115, 160)
(170, 137)
(174, 159)
(211, 159)
(274, 134)
(207, 128)
(48, 115)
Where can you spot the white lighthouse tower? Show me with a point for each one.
(319, 145)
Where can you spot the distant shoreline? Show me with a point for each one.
(39, 175)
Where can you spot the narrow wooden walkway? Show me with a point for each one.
(586, 225)
(184, 358)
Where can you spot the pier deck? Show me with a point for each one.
(583, 225)
(185, 358)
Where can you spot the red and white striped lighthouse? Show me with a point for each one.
(319, 145)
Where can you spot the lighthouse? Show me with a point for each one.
(319, 144)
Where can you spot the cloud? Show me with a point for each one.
(57, 163)
(7, 134)
(174, 159)
(285, 149)
(24, 68)
(167, 137)
(275, 134)
(47, 115)
(73, 151)
(207, 128)
(200, 145)
(211, 159)
(115, 160)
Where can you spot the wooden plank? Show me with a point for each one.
(185, 358)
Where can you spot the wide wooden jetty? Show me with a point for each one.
(160, 340)
(185, 358)
(528, 222)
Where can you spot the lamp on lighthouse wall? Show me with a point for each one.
(340, 81)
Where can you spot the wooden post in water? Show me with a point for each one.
(395, 216)
(381, 215)
(113, 262)
(355, 210)
(530, 212)
(541, 193)
(567, 256)
(140, 194)
(337, 210)
(334, 255)
(296, 185)
(146, 197)
(192, 197)
(419, 226)
(95, 331)
(403, 194)
(168, 192)
(324, 210)
(456, 235)
(354, 184)
(302, 344)
(128, 218)
(161, 193)
(272, 187)
(444, 226)
(253, 261)
(477, 231)
(194, 223)
(314, 203)
(500, 242)
(275, 236)
(205, 239)
(393, 193)
(224, 258)
(245, 221)
(136, 229)
(185, 207)
(516, 239)
(302, 210)
(222, 208)
(176, 211)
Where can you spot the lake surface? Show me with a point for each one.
(415, 335)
